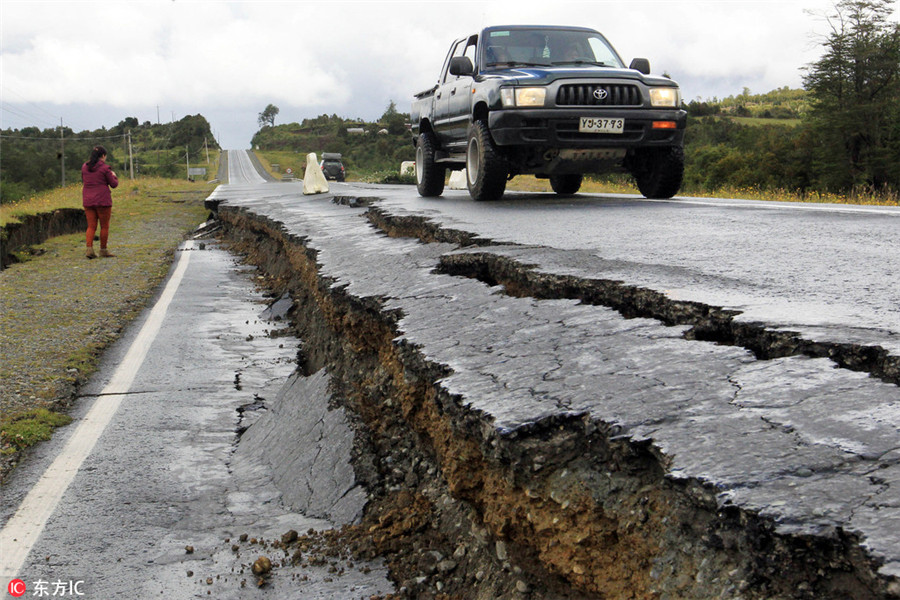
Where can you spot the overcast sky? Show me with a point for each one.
(92, 64)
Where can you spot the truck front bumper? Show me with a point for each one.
(558, 128)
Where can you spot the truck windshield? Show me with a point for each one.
(545, 47)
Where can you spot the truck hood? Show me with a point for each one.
(547, 75)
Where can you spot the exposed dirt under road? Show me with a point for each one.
(564, 509)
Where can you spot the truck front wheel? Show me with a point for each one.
(429, 175)
(486, 171)
(659, 172)
(566, 185)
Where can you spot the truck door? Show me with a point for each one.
(451, 99)
(442, 93)
(460, 108)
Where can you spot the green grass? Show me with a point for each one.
(59, 311)
(623, 185)
(126, 196)
(759, 121)
(284, 159)
(29, 428)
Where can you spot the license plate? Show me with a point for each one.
(592, 125)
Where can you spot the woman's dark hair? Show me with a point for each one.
(96, 154)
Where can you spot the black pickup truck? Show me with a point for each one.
(556, 102)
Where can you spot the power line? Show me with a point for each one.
(55, 118)
(43, 110)
(57, 138)
(23, 114)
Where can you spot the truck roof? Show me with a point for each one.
(540, 27)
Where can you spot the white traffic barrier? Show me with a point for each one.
(407, 167)
(457, 180)
(314, 179)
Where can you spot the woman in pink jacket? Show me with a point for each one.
(97, 178)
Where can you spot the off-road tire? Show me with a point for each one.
(659, 172)
(566, 185)
(429, 174)
(486, 171)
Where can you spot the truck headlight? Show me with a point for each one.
(513, 97)
(664, 96)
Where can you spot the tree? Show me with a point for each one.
(267, 116)
(393, 121)
(854, 89)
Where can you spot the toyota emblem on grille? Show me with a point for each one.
(600, 94)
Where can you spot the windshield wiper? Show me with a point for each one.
(518, 63)
(580, 62)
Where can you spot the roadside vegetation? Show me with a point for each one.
(837, 140)
(371, 151)
(59, 311)
(34, 160)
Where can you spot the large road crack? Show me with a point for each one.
(704, 322)
(590, 508)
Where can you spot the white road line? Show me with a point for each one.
(889, 211)
(20, 533)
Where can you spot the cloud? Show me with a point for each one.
(353, 57)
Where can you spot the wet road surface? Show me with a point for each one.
(168, 472)
(829, 271)
(814, 447)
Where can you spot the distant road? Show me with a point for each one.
(241, 170)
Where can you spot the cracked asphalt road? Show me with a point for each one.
(165, 474)
(813, 447)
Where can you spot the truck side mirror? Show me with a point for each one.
(461, 66)
(640, 64)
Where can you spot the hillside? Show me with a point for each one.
(31, 159)
(366, 147)
(781, 106)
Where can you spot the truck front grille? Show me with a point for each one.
(610, 94)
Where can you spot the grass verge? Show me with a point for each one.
(59, 311)
(614, 184)
(623, 185)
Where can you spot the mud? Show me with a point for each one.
(565, 507)
(36, 229)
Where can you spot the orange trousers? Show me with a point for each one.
(95, 215)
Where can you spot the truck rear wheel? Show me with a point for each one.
(486, 171)
(659, 172)
(429, 175)
(566, 185)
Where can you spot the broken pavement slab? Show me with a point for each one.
(672, 450)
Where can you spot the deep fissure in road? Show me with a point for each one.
(563, 508)
(708, 323)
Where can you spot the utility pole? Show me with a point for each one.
(187, 158)
(62, 152)
(130, 156)
(206, 147)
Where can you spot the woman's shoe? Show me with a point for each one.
(90, 253)
(106, 253)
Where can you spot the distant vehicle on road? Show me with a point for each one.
(556, 102)
(332, 167)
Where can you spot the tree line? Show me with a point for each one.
(840, 134)
(847, 131)
(33, 160)
(365, 147)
